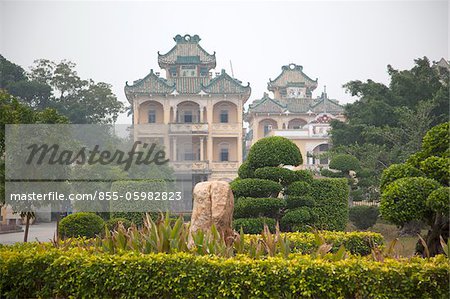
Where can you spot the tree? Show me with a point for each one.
(345, 163)
(82, 101)
(274, 151)
(409, 193)
(14, 112)
(58, 86)
(387, 123)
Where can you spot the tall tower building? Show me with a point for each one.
(197, 114)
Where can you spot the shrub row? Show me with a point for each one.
(254, 225)
(255, 188)
(245, 207)
(81, 274)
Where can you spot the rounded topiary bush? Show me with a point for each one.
(281, 175)
(363, 217)
(244, 171)
(296, 220)
(255, 188)
(254, 225)
(304, 175)
(293, 202)
(274, 151)
(404, 200)
(398, 171)
(344, 163)
(112, 224)
(436, 141)
(248, 207)
(437, 168)
(331, 174)
(298, 189)
(81, 225)
(439, 201)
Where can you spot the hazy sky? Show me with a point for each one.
(335, 41)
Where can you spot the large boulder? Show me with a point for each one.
(213, 204)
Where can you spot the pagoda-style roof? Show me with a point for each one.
(292, 76)
(324, 104)
(187, 51)
(150, 84)
(267, 105)
(225, 84)
(320, 105)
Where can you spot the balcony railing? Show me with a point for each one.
(194, 128)
(188, 166)
(226, 128)
(297, 133)
(225, 165)
(150, 129)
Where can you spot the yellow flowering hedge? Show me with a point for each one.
(43, 272)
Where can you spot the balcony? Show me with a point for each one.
(190, 166)
(297, 133)
(188, 128)
(225, 165)
(226, 128)
(150, 130)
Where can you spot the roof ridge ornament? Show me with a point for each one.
(187, 38)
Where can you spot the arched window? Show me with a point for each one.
(224, 148)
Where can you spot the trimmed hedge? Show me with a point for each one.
(254, 225)
(293, 202)
(80, 274)
(280, 175)
(249, 207)
(81, 224)
(344, 163)
(331, 203)
(296, 220)
(298, 189)
(304, 175)
(363, 217)
(244, 171)
(255, 188)
(274, 151)
(439, 201)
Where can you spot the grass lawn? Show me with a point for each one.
(406, 244)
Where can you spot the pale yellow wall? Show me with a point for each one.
(301, 144)
(261, 124)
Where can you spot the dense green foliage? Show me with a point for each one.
(344, 163)
(244, 171)
(387, 123)
(298, 188)
(248, 207)
(293, 202)
(254, 225)
(331, 203)
(280, 175)
(113, 223)
(304, 175)
(363, 217)
(404, 199)
(255, 188)
(43, 272)
(274, 151)
(81, 225)
(410, 198)
(297, 219)
(58, 86)
(398, 171)
(439, 201)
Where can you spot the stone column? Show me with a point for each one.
(202, 155)
(174, 139)
(201, 120)
(175, 111)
